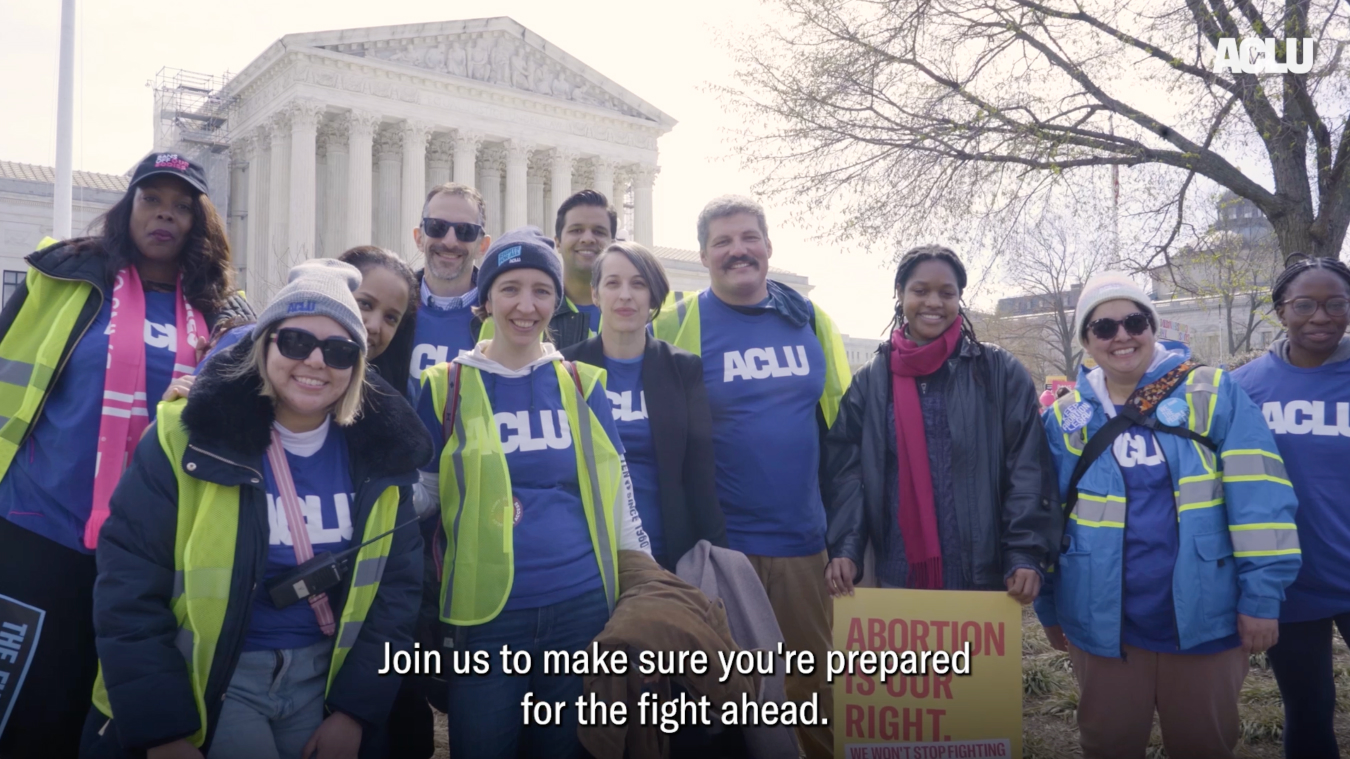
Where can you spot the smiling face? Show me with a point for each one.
(1320, 333)
(1124, 358)
(448, 259)
(585, 234)
(162, 211)
(306, 390)
(624, 297)
(383, 300)
(930, 300)
(737, 257)
(521, 303)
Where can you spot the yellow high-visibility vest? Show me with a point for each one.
(203, 558)
(477, 508)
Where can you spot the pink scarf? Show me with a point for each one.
(917, 516)
(125, 409)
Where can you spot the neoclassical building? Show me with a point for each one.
(331, 139)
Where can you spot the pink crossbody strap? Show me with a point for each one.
(295, 523)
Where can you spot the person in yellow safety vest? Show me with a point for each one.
(98, 325)
(286, 453)
(535, 504)
(775, 369)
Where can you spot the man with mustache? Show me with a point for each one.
(451, 239)
(775, 369)
(586, 225)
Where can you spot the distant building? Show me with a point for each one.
(1022, 305)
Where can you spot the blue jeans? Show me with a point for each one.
(274, 703)
(486, 719)
(1301, 662)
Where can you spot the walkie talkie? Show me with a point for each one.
(318, 574)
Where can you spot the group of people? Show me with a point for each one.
(466, 456)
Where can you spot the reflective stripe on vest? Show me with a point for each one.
(679, 324)
(204, 551)
(477, 510)
(1099, 511)
(30, 354)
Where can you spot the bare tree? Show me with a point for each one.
(914, 118)
(1047, 262)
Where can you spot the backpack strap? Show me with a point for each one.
(576, 376)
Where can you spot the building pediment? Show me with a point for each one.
(495, 51)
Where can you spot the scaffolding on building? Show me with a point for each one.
(193, 109)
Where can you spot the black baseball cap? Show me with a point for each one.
(171, 163)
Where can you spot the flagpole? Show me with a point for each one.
(63, 193)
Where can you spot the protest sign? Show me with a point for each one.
(884, 707)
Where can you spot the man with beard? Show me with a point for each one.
(586, 225)
(451, 239)
(775, 369)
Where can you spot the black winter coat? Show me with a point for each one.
(681, 421)
(229, 428)
(1004, 498)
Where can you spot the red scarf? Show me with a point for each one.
(917, 516)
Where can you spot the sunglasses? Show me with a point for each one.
(1105, 329)
(464, 231)
(1308, 306)
(298, 345)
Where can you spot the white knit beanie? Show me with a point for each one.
(1111, 285)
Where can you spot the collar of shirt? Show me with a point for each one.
(448, 303)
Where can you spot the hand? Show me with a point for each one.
(1055, 634)
(1024, 585)
(1257, 634)
(339, 737)
(179, 749)
(839, 576)
(180, 387)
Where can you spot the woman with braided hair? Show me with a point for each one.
(1302, 385)
(937, 456)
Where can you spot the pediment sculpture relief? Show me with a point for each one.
(503, 61)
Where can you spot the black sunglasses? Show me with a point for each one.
(298, 345)
(465, 231)
(1105, 329)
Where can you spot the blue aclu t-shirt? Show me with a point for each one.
(1151, 542)
(441, 333)
(323, 483)
(49, 488)
(1308, 411)
(554, 558)
(764, 379)
(623, 385)
(592, 312)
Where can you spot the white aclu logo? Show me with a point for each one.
(438, 354)
(1133, 450)
(514, 428)
(1307, 417)
(1258, 56)
(623, 406)
(762, 363)
(312, 510)
(161, 336)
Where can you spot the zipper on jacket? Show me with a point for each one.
(1124, 522)
(37, 414)
(227, 461)
(1176, 624)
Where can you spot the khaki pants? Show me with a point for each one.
(1196, 697)
(805, 612)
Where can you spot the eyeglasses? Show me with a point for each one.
(298, 345)
(464, 231)
(1105, 329)
(1308, 306)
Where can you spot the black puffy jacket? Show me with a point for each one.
(1005, 502)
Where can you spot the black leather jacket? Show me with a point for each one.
(1002, 474)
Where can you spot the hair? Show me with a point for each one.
(1299, 263)
(395, 364)
(347, 408)
(208, 277)
(910, 261)
(586, 198)
(648, 266)
(459, 190)
(729, 205)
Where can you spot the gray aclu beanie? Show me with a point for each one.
(318, 287)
